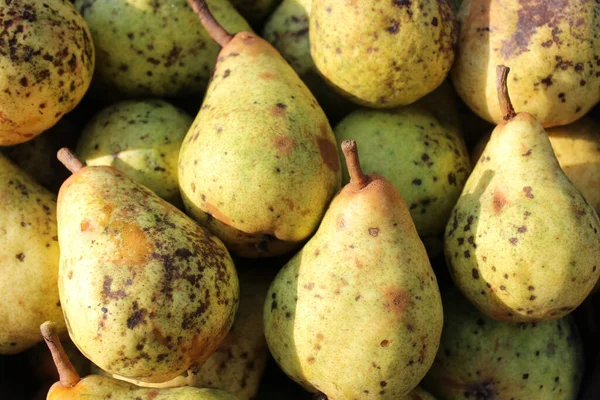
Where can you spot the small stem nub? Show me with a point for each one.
(357, 177)
(67, 373)
(502, 87)
(212, 26)
(69, 160)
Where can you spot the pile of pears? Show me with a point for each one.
(263, 199)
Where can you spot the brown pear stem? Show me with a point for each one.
(69, 160)
(67, 373)
(212, 26)
(502, 87)
(357, 177)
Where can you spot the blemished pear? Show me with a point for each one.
(95, 387)
(357, 312)
(403, 53)
(259, 165)
(145, 291)
(481, 358)
(142, 138)
(551, 46)
(154, 48)
(522, 243)
(30, 256)
(46, 66)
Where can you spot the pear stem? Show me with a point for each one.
(502, 87)
(212, 26)
(357, 176)
(69, 160)
(67, 373)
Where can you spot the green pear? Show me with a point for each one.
(287, 30)
(238, 364)
(95, 387)
(481, 358)
(140, 138)
(427, 162)
(154, 47)
(47, 65)
(522, 243)
(357, 312)
(30, 256)
(255, 11)
(403, 53)
(552, 45)
(259, 165)
(145, 291)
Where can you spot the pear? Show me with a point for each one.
(154, 48)
(577, 149)
(238, 364)
(357, 312)
(403, 53)
(255, 11)
(96, 387)
(259, 165)
(553, 46)
(30, 256)
(427, 162)
(287, 30)
(522, 243)
(481, 358)
(47, 65)
(141, 138)
(145, 291)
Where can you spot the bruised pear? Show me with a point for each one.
(145, 291)
(357, 314)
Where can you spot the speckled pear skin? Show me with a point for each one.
(255, 11)
(141, 138)
(47, 66)
(577, 149)
(551, 45)
(29, 257)
(357, 312)
(489, 359)
(145, 291)
(260, 170)
(96, 387)
(405, 51)
(238, 364)
(420, 394)
(426, 162)
(155, 48)
(522, 243)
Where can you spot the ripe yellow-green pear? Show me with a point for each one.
(403, 53)
(551, 46)
(30, 255)
(522, 243)
(140, 138)
(46, 66)
(96, 387)
(357, 312)
(145, 291)
(259, 165)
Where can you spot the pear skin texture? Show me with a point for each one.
(259, 171)
(551, 46)
(29, 258)
(426, 162)
(155, 47)
(145, 291)
(522, 243)
(405, 51)
(140, 138)
(50, 66)
(238, 364)
(481, 358)
(95, 387)
(357, 312)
